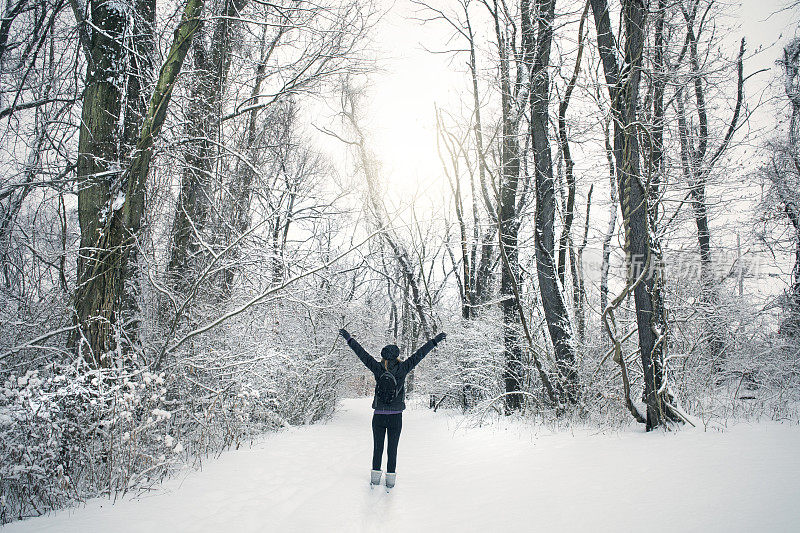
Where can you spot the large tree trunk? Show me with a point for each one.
(558, 322)
(642, 252)
(109, 201)
(99, 290)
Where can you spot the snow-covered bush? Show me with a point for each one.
(466, 369)
(756, 372)
(68, 432)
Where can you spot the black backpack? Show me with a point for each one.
(386, 388)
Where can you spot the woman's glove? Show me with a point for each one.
(439, 338)
(343, 333)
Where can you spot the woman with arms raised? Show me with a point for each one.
(389, 399)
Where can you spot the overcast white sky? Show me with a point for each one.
(403, 95)
(413, 81)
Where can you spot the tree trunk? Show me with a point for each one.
(108, 208)
(483, 270)
(482, 252)
(16, 199)
(791, 65)
(565, 242)
(202, 133)
(451, 144)
(695, 171)
(236, 208)
(558, 322)
(140, 78)
(707, 297)
(794, 296)
(99, 288)
(612, 223)
(508, 223)
(642, 252)
(696, 165)
(576, 268)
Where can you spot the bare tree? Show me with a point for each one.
(211, 54)
(109, 196)
(782, 173)
(645, 269)
(512, 192)
(612, 219)
(698, 159)
(465, 149)
(411, 275)
(331, 36)
(791, 62)
(558, 323)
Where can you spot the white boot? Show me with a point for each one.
(390, 479)
(375, 477)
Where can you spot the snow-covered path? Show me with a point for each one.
(472, 479)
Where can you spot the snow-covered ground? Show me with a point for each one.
(455, 477)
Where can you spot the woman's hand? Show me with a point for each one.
(440, 337)
(343, 333)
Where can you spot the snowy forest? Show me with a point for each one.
(601, 209)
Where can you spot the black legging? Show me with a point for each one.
(381, 425)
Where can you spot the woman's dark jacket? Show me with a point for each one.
(399, 369)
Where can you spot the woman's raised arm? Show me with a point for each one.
(409, 364)
(362, 354)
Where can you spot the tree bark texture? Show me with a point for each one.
(110, 201)
(507, 215)
(623, 84)
(555, 310)
(99, 288)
